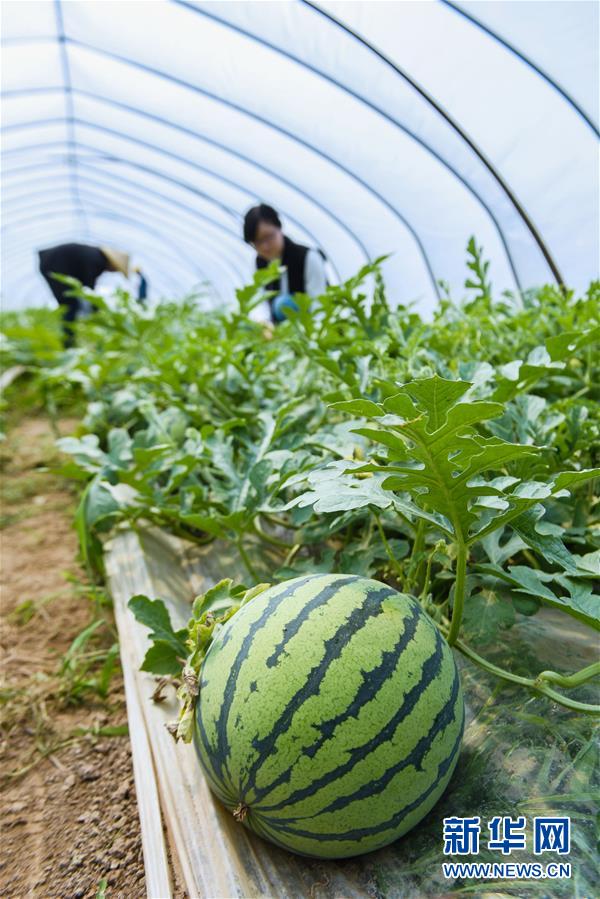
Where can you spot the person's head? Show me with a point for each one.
(117, 260)
(262, 230)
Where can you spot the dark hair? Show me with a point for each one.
(255, 216)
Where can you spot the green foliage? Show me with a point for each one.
(32, 337)
(88, 667)
(454, 457)
(182, 652)
(479, 268)
(168, 649)
(435, 456)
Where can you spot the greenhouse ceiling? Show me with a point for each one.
(373, 127)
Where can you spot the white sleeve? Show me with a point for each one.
(315, 279)
(261, 313)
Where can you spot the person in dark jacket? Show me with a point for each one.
(84, 263)
(304, 267)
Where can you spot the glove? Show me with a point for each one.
(282, 304)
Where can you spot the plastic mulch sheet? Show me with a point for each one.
(521, 756)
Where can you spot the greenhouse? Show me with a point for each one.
(300, 448)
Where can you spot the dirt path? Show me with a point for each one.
(69, 824)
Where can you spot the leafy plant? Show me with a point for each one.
(437, 467)
(452, 458)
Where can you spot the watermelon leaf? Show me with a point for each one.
(580, 602)
(435, 454)
(485, 615)
(169, 650)
(162, 659)
(551, 547)
(335, 488)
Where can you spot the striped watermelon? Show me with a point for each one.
(330, 715)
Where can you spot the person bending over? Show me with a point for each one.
(84, 263)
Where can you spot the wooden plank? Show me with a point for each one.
(156, 866)
(218, 857)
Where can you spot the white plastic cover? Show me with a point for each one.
(373, 127)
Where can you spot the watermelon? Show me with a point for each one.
(330, 715)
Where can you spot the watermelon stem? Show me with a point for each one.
(394, 562)
(568, 681)
(537, 684)
(459, 592)
(292, 553)
(270, 538)
(246, 560)
(416, 560)
(240, 812)
(427, 581)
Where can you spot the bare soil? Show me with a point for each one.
(68, 818)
